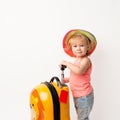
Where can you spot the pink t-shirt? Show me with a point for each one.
(80, 84)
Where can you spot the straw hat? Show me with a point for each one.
(70, 33)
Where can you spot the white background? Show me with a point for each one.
(31, 33)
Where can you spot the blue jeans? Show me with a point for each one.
(83, 106)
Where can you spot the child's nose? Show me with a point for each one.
(78, 48)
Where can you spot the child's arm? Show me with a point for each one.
(84, 65)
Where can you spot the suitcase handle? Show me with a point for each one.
(63, 67)
(62, 74)
(57, 80)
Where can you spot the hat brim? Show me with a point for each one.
(70, 33)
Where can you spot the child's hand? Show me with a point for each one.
(66, 80)
(63, 63)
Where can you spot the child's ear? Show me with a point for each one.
(89, 47)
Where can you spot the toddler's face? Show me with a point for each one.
(79, 47)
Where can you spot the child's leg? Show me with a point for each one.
(83, 106)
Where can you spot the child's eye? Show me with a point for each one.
(81, 45)
(78, 45)
(74, 45)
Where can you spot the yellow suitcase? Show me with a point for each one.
(50, 100)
